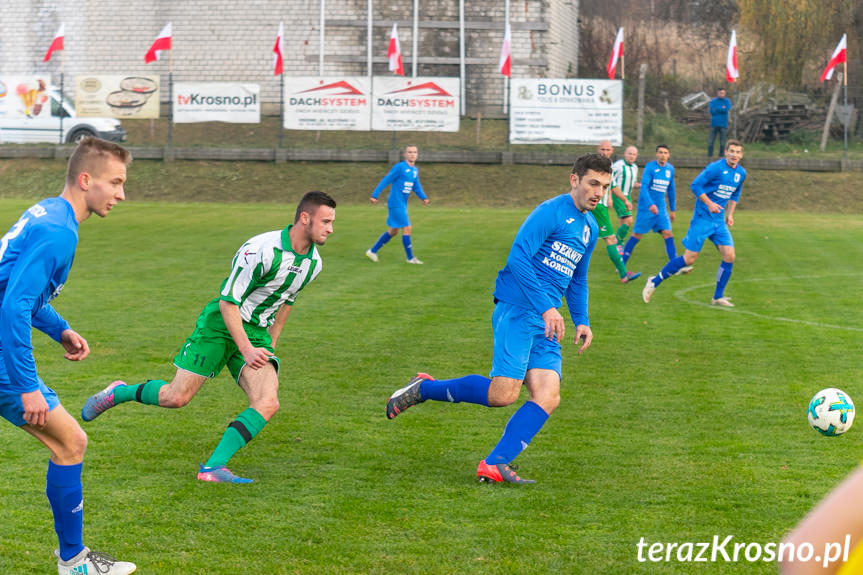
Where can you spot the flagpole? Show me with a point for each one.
(845, 109)
(62, 107)
(281, 106)
(171, 94)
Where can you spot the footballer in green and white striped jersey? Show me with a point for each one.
(267, 273)
(623, 176)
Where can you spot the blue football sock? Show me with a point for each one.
(406, 240)
(670, 250)
(627, 249)
(722, 277)
(519, 430)
(468, 389)
(65, 494)
(669, 270)
(385, 237)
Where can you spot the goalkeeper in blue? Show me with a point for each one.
(717, 189)
(404, 177)
(35, 258)
(548, 261)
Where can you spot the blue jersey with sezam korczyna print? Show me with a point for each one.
(404, 179)
(657, 182)
(721, 183)
(35, 257)
(549, 260)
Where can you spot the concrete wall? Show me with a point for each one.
(226, 40)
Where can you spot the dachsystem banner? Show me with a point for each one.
(327, 103)
(24, 96)
(124, 97)
(415, 104)
(565, 111)
(216, 102)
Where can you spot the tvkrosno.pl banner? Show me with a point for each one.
(415, 104)
(565, 111)
(327, 103)
(216, 102)
(124, 97)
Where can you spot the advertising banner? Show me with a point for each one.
(124, 97)
(24, 96)
(216, 102)
(327, 103)
(565, 111)
(415, 104)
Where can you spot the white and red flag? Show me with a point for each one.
(504, 65)
(394, 53)
(837, 58)
(56, 44)
(731, 71)
(163, 42)
(278, 50)
(616, 54)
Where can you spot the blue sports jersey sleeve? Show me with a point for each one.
(576, 293)
(528, 241)
(672, 193)
(391, 177)
(419, 189)
(647, 186)
(49, 250)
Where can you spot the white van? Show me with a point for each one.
(43, 127)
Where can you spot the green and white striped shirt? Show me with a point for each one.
(267, 273)
(623, 176)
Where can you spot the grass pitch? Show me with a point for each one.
(681, 422)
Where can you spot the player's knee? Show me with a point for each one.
(71, 451)
(172, 398)
(548, 401)
(267, 407)
(503, 395)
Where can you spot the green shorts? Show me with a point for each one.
(211, 347)
(600, 212)
(620, 208)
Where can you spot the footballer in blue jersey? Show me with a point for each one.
(657, 187)
(717, 190)
(35, 257)
(403, 179)
(548, 261)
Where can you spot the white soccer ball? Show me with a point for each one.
(831, 412)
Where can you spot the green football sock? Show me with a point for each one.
(621, 233)
(146, 393)
(616, 259)
(240, 431)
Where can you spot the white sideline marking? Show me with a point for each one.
(681, 295)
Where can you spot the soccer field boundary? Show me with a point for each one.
(681, 294)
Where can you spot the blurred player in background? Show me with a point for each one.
(657, 187)
(624, 179)
(404, 177)
(717, 191)
(35, 258)
(240, 329)
(603, 220)
(548, 260)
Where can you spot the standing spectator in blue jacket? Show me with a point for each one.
(719, 107)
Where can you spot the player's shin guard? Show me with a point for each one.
(146, 393)
(671, 268)
(627, 249)
(385, 237)
(621, 233)
(468, 389)
(519, 431)
(615, 258)
(723, 274)
(65, 494)
(240, 432)
(406, 241)
(670, 250)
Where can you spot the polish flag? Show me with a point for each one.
(394, 53)
(616, 54)
(163, 42)
(505, 62)
(278, 50)
(837, 58)
(731, 71)
(56, 44)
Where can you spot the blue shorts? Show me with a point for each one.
(520, 343)
(701, 229)
(11, 407)
(398, 218)
(647, 222)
